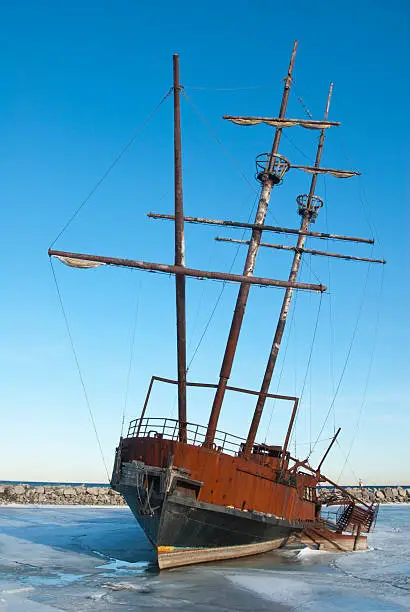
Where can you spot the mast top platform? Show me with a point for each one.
(272, 167)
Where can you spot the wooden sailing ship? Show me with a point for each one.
(201, 494)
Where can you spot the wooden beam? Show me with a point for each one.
(169, 269)
(267, 228)
(285, 247)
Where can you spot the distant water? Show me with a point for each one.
(35, 483)
(105, 484)
(98, 560)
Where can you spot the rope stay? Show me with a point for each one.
(368, 374)
(244, 88)
(312, 344)
(356, 325)
(331, 327)
(301, 101)
(295, 146)
(218, 299)
(132, 351)
(110, 168)
(77, 362)
(347, 461)
(220, 143)
(290, 328)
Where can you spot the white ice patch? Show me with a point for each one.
(308, 592)
(16, 591)
(308, 554)
(58, 579)
(274, 587)
(116, 566)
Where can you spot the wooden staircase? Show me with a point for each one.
(353, 517)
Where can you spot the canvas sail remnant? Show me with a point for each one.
(79, 263)
(278, 122)
(332, 171)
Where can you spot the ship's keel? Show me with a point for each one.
(173, 557)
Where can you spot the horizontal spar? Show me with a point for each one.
(311, 251)
(71, 259)
(265, 228)
(238, 389)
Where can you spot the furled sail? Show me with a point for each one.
(79, 263)
(332, 171)
(278, 122)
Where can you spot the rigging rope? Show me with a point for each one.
(362, 196)
(288, 138)
(283, 363)
(245, 88)
(220, 295)
(110, 167)
(301, 101)
(332, 335)
(347, 356)
(192, 332)
(308, 364)
(369, 371)
(131, 361)
(220, 143)
(87, 401)
(346, 461)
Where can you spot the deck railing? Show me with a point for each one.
(158, 427)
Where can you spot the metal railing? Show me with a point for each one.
(164, 428)
(171, 428)
(349, 516)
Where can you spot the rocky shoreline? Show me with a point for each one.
(380, 495)
(60, 495)
(104, 496)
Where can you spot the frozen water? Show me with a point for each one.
(97, 559)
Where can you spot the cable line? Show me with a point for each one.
(369, 371)
(110, 167)
(309, 360)
(132, 350)
(244, 88)
(218, 299)
(87, 401)
(346, 461)
(347, 356)
(283, 363)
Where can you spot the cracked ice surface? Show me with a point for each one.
(97, 559)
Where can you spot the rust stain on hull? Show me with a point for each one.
(248, 484)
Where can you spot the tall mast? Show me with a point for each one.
(179, 255)
(308, 209)
(268, 181)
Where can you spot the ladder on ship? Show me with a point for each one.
(353, 516)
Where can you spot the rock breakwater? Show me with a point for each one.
(380, 495)
(104, 496)
(59, 495)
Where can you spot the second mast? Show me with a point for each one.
(269, 178)
(179, 255)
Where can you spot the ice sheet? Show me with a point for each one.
(97, 559)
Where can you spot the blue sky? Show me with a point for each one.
(77, 81)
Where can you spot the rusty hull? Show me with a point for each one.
(239, 482)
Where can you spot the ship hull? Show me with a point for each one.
(197, 505)
(185, 531)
